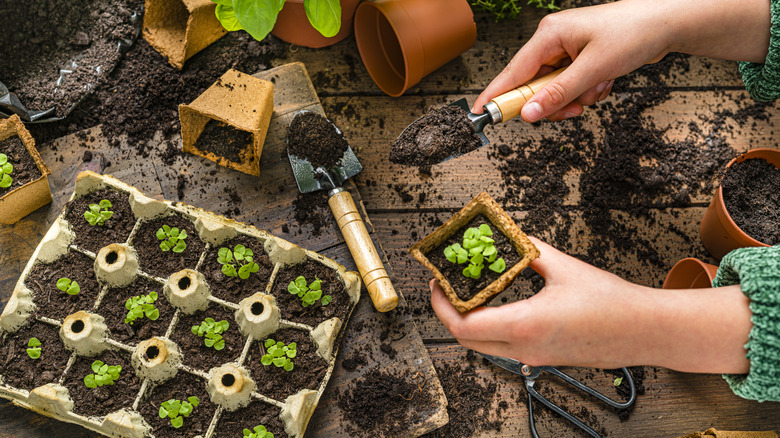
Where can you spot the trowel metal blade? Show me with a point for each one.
(478, 120)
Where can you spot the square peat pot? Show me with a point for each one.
(34, 194)
(511, 242)
(179, 29)
(227, 124)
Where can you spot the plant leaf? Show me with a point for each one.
(89, 381)
(195, 401)
(229, 270)
(227, 15)
(266, 360)
(177, 422)
(96, 366)
(63, 284)
(160, 234)
(324, 15)
(269, 342)
(485, 230)
(8, 168)
(105, 203)
(34, 353)
(6, 181)
(180, 247)
(288, 366)
(257, 17)
(498, 266)
(3, 159)
(219, 345)
(326, 300)
(162, 412)
(33, 342)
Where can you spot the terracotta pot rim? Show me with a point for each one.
(679, 268)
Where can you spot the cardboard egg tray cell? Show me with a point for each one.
(163, 358)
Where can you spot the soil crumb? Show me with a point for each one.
(752, 199)
(315, 139)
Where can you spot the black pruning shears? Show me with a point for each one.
(530, 374)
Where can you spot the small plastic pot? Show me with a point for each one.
(690, 273)
(402, 41)
(718, 232)
(293, 26)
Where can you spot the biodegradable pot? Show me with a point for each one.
(242, 101)
(718, 232)
(293, 26)
(484, 205)
(23, 200)
(401, 41)
(179, 29)
(690, 273)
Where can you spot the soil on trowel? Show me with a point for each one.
(441, 133)
(315, 139)
(25, 169)
(19, 370)
(102, 400)
(750, 192)
(180, 387)
(115, 230)
(224, 140)
(232, 424)
(54, 303)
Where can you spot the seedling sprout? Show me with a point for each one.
(279, 354)
(308, 294)
(35, 348)
(212, 331)
(258, 432)
(478, 247)
(140, 306)
(178, 410)
(98, 214)
(5, 172)
(242, 256)
(68, 286)
(172, 239)
(105, 375)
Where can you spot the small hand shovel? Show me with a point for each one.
(349, 221)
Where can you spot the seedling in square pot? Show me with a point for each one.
(105, 375)
(172, 239)
(212, 331)
(178, 410)
(68, 286)
(35, 348)
(98, 214)
(279, 355)
(258, 432)
(140, 306)
(478, 247)
(241, 257)
(308, 294)
(5, 172)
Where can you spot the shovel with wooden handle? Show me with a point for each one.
(311, 179)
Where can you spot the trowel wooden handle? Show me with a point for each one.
(363, 251)
(511, 102)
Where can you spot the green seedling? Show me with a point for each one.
(178, 410)
(105, 375)
(68, 286)
(308, 294)
(5, 172)
(140, 306)
(241, 256)
(478, 247)
(212, 331)
(279, 354)
(98, 214)
(509, 8)
(258, 432)
(618, 381)
(35, 348)
(172, 239)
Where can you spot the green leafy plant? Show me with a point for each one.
(141, 305)
(258, 17)
(242, 257)
(279, 354)
(478, 247)
(509, 8)
(5, 172)
(308, 294)
(35, 348)
(98, 214)
(172, 239)
(258, 432)
(212, 331)
(68, 286)
(105, 375)
(178, 410)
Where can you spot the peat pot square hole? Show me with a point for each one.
(167, 245)
(136, 312)
(28, 364)
(224, 274)
(258, 413)
(180, 388)
(216, 338)
(331, 285)
(103, 398)
(96, 225)
(64, 286)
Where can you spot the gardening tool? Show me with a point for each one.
(309, 179)
(530, 374)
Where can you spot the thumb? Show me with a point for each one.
(552, 263)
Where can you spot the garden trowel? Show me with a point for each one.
(310, 179)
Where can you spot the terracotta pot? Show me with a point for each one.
(401, 41)
(292, 25)
(718, 232)
(690, 273)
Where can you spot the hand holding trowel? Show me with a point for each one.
(331, 177)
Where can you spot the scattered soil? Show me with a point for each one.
(25, 169)
(232, 424)
(19, 370)
(161, 263)
(102, 400)
(315, 139)
(441, 133)
(194, 352)
(115, 230)
(752, 199)
(182, 386)
(308, 371)
(235, 289)
(54, 303)
(466, 287)
(224, 140)
(290, 304)
(113, 309)
(312, 209)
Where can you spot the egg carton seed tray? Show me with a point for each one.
(153, 355)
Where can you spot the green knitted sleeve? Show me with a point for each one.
(763, 80)
(757, 270)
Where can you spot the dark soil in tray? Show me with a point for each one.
(440, 133)
(290, 305)
(315, 139)
(182, 386)
(161, 263)
(113, 309)
(102, 400)
(466, 287)
(54, 303)
(194, 351)
(235, 289)
(25, 169)
(115, 230)
(19, 370)
(224, 140)
(752, 198)
(232, 424)
(276, 383)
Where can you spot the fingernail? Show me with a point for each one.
(602, 86)
(532, 111)
(569, 115)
